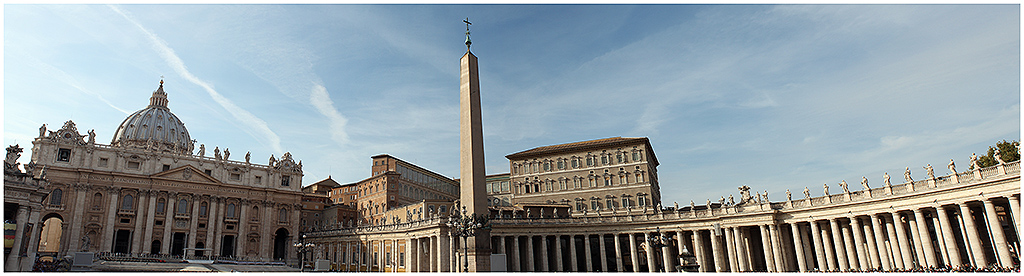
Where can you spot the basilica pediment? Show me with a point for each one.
(185, 173)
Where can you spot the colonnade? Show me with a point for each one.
(430, 253)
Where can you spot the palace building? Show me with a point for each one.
(148, 194)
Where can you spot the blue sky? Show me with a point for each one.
(774, 97)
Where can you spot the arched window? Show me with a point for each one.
(202, 209)
(160, 205)
(255, 213)
(182, 207)
(230, 211)
(126, 203)
(97, 199)
(282, 215)
(55, 197)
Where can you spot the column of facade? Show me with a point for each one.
(544, 266)
(573, 263)
(906, 253)
(698, 250)
(819, 249)
(211, 226)
(769, 259)
(14, 258)
(666, 254)
(632, 253)
(515, 259)
(837, 239)
(604, 254)
(150, 220)
(33, 241)
(717, 251)
(826, 241)
(742, 255)
(730, 245)
(1014, 212)
(651, 262)
(193, 223)
(860, 246)
(895, 257)
(107, 240)
(917, 244)
(798, 247)
(618, 254)
(530, 254)
(972, 237)
(874, 251)
(881, 241)
(851, 252)
(926, 238)
(165, 245)
(996, 232)
(243, 226)
(77, 217)
(777, 245)
(455, 260)
(947, 235)
(943, 258)
(218, 227)
(140, 220)
(265, 233)
(445, 255)
(558, 253)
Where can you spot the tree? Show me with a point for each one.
(1007, 150)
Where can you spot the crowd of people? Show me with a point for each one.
(960, 268)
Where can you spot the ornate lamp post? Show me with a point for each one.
(465, 226)
(657, 242)
(301, 248)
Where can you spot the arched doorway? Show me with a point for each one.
(155, 247)
(280, 244)
(199, 251)
(53, 229)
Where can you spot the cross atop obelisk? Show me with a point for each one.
(473, 195)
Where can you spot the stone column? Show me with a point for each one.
(819, 249)
(1014, 212)
(33, 240)
(150, 220)
(896, 258)
(880, 239)
(211, 227)
(651, 262)
(947, 235)
(730, 245)
(78, 217)
(445, 255)
(218, 227)
(904, 245)
(826, 241)
(411, 252)
(632, 253)
(860, 247)
(777, 252)
(917, 245)
(618, 254)
(851, 253)
(698, 250)
(530, 254)
(14, 259)
(797, 240)
(515, 253)
(766, 245)
(544, 253)
(140, 220)
(837, 238)
(872, 244)
(741, 249)
(558, 253)
(926, 237)
(165, 245)
(972, 238)
(574, 263)
(243, 226)
(107, 239)
(604, 254)
(943, 257)
(586, 251)
(717, 251)
(996, 231)
(456, 258)
(666, 253)
(194, 225)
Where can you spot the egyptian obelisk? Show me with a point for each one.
(472, 193)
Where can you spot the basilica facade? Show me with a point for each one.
(149, 192)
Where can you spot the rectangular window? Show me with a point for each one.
(607, 181)
(134, 165)
(593, 205)
(547, 166)
(159, 222)
(64, 155)
(286, 180)
(208, 172)
(401, 259)
(258, 180)
(126, 220)
(625, 202)
(618, 157)
(103, 162)
(590, 161)
(561, 165)
(236, 177)
(575, 163)
(604, 160)
(636, 156)
(610, 203)
(160, 207)
(166, 168)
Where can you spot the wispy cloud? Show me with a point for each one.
(256, 126)
(320, 99)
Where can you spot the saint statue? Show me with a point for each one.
(931, 172)
(807, 192)
(952, 167)
(766, 196)
(226, 153)
(974, 161)
(864, 182)
(676, 204)
(216, 152)
(694, 206)
(42, 131)
(247, 157)
(202, 150)
(92, 136)
(272, 160)
(789, 196)
(709, 203)
(885, 178)
(826, 189)
(731, 201)
(906, 175)
(998, 156)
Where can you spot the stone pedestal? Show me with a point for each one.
(83, 259)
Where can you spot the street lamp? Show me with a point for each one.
(657, 242)
(465, 225)
(301, 248)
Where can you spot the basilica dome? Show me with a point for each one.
(154, 128)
